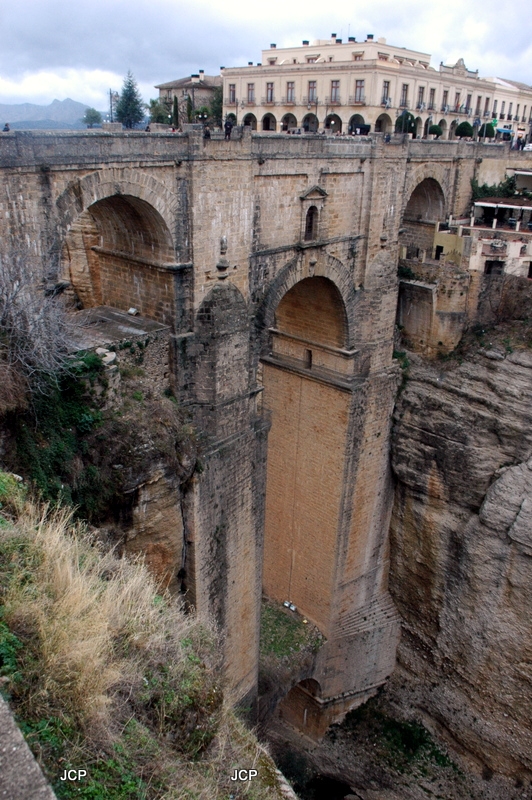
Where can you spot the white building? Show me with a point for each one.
(341, 86)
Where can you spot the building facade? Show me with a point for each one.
(340, 86)
(192, 93)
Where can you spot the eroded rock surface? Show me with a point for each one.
(461, 539)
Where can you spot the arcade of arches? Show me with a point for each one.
(425, 207)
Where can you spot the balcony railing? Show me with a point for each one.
(445, 108)
(502, 116)
(334, 100)
(268, 101)
(288, 101)
(404, 104)
(230, 101)
(421, 106)
(250, 101)
(431, 107)
(516, 118)
(486, 114)
(357, 100)
(310, 100)
(386, 102)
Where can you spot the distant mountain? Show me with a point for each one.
(69, 112)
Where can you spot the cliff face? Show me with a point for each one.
(461, 540)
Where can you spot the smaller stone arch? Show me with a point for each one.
(333, 123)
(301, 708)
(310, 123)
(383, 124)
(250, 120)
(269, 123)
(426, 203)
(452, 129)
(419, 128)
(443, 125)
(288, 122)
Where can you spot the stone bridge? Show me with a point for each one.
(273, 260)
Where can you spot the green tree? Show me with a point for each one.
(216, 106)
(405, 123)
(190, 109)
(487, 130)
(175, 113)
(130, 108)
(436, 131)
(464, 130)
(158, 112)
(92, 117)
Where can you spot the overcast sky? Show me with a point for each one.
(52, 49)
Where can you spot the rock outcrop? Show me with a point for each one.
(461, 540)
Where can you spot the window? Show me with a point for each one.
(468, 102)
(445, 101)
(510, 110)
(457, 101)
(358, 57)
(495, 106)
(359, 91)
(312, 97)
(383, 57)
(479, 101)
(517, 111)
(311, 224)
(312, 59)
(251, 92)
(524, 114)
(269, 92)
(404, 94)
(385, 91)
(232, 92)
(335, 91)
(420, 96)
(432, 99)
(487, 107)
(503, 106)
(290, 92)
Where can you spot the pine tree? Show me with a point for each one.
(130, 108)
(175, 113)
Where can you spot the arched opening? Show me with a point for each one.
(311, 224)
(269, 123)
(425, 207)
(383, 124)
(443, 125)
(452, 129)
(116, 253)
(250, 120)
(304, 472)
(288, 122)
(310, 123)
(418, 128)
(355, 122)
(333, 123)
(428, 123)
(299, 707)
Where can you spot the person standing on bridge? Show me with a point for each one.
(6, 128)
(228, 127)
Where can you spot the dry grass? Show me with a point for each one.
(111, 673)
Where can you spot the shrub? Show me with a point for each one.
(436, 131)
(464, 130)
(486, 131)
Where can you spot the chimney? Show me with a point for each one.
(333, 36)
(369, 37)
(338, 41)
(352, 39)
(273, 46)
(194, 78)
(201, 74)
(250, 63)
(305, 42)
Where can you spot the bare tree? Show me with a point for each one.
(34, 328)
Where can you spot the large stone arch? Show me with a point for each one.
(117, 245)
(86, 191)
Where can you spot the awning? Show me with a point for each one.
(505, 130)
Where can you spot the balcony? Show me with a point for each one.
(290, 100)
(268, 101)
(250, 101)
(230, 101)
(431, 107)
(404, 104)
(386, 102)
(502, 116)
(310, 100)
(334, 100)
(445, 108)
(486, 114)
(494, 115)
(420, 106)
(516, 118)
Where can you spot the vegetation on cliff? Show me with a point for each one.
(106, 674)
